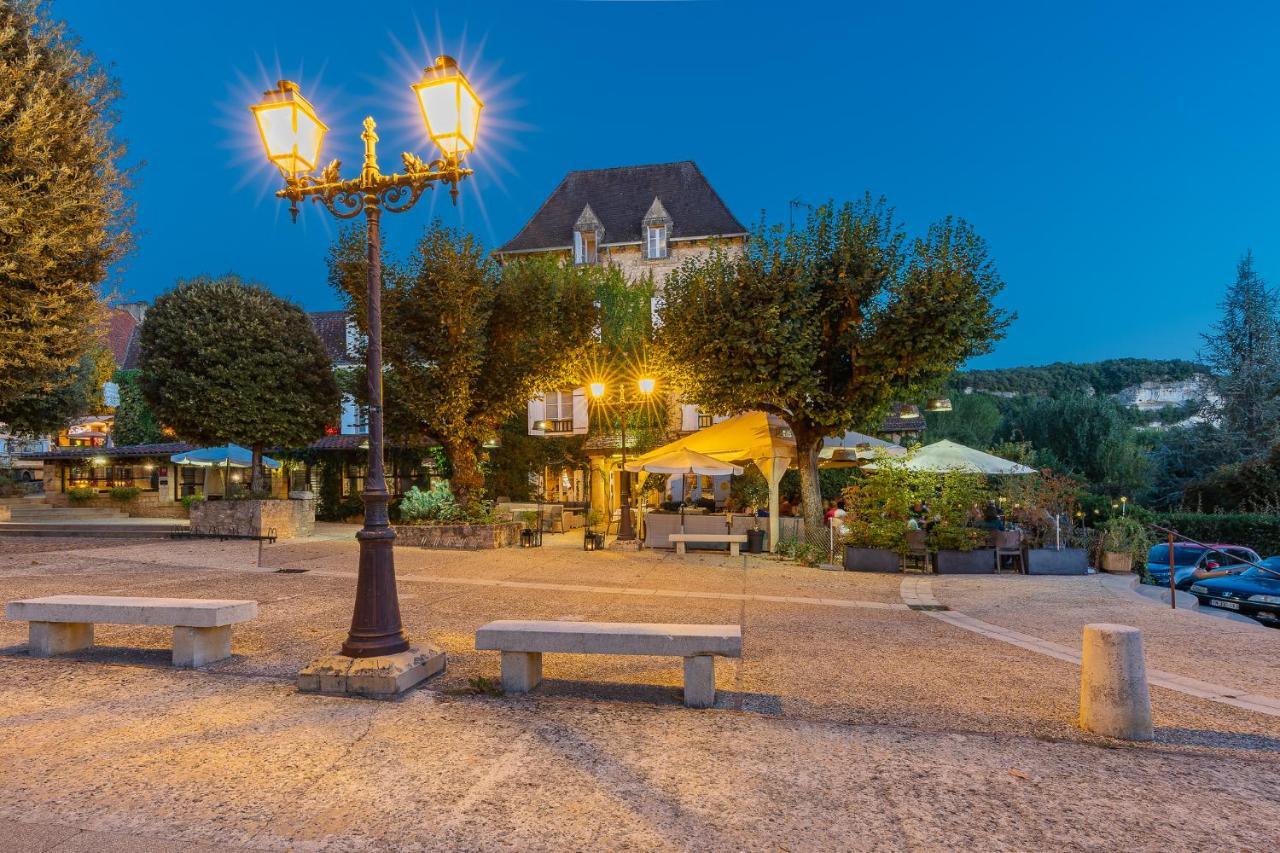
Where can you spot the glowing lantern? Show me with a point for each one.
(291, 132)
(449, 107)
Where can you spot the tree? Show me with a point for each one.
(467, 342)
(826, 326)
(134, 422)
(973, 421)
(1243, 351)
(64, 215)
(70, 396)
(227, 361)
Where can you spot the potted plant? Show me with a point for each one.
(961, 548)
(1124, 540)
(1043, 506)
(878, 513)
(530, 535)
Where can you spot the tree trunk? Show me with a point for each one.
(807, 446)
(468, 480)
(257, 479)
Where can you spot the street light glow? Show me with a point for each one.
(291, 131)
(646, 385)
(597, 389)
(450, 107)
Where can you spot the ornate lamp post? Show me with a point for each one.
(292, 135)
(625, 404)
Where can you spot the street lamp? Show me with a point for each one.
(292, 135)
(625, 404)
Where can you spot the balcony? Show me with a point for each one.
(705, 421)
(558, 426)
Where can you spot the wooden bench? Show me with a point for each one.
(64, 623)
(523, 643)
(734, 540)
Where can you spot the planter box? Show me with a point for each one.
(979, 561)
(1047, 561)
(870, 559)
(1120, 564)
(460, 537)
(289, 519)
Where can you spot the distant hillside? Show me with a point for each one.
(1104, 377)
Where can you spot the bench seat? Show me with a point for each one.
(64, 623)
(733, 540)
(523, 642)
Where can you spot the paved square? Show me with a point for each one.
(851, 721)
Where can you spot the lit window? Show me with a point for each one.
(584, 247)
(656, 241)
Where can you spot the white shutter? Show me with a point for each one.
(688, 417)
(580, 415)
(537, 412)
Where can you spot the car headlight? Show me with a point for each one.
(1195, 587)
(1265, 599)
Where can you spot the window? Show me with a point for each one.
(559, 411)
(656, 241)
(584, 247)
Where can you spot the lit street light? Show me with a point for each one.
(292, 135)
(625, 404)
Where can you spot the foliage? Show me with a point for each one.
(594, 517)
(124, 494)
(439, 504)
(134, 422)
(879, 504)
(749, 490)
(519, 454)
(809, 554)
(1259, 531)
(827, 325)
(973, 421)
(1181, 456)
(1044, 506)
(529, 519)
(959, 500)
(80, 494)
(189, 501)
(466, 342)
(1249, 486)
(1065, 378)
(227, 361)
(1126, 535)
(72, 396)
(1243, 350)
(64, 208)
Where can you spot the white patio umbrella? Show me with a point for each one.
(846, 450)
(944, 456)
(684, 461)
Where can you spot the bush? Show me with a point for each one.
(124, 494)
(1259, 531)
(1125, 535)
(709, 504)
(189, 500)
(439, 505)
(338, 508)
(80, 495)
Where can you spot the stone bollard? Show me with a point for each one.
(1114, 698)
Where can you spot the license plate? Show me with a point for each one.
(1228, 605)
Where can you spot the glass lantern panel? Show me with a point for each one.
(440, 110)
(468, 116)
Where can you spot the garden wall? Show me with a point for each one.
(146, 505)
(463, 537)
(289, 518)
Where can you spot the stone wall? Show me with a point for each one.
(464, 537)
(145, 505)
(289, 518)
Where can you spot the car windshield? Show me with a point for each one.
(1272, 563)
(1183, 555)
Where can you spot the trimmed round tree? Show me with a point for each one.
(227, 361)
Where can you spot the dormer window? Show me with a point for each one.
(584, 247)
(655, 242)
(587, 234)
(656, 228)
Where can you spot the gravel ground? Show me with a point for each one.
(850, 723)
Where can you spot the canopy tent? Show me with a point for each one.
(684, 461)
(230, 456)
(767, 441)
(944, 456)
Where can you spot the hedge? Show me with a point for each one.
(1259, 531)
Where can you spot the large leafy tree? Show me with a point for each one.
(134, 421)
(467, 342)
(223, 360)
(77, 393)
(827, 325)
(64, 214)
(1243, 351)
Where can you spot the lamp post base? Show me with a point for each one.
(383, 677)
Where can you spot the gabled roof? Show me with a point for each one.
(331, 326)
(120, 326)
(133, 352)
(620, 198)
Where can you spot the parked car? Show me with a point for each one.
(1187, 558)
(1254, 592)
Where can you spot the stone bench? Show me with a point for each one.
(734, 540)
(64, 623)
(523, 643)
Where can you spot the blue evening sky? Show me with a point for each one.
(1119, 157)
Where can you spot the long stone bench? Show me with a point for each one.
(523, 643)
(64, 623)
(734, 540)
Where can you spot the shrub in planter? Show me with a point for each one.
(124, 494)
(80, 495)
(189, 500)
(1124, 542)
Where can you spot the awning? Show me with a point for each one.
(944, 456)
(230, 456)
(684, 461)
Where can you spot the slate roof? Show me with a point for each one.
(620, 198)
(331, 326)
(131, 451)
(133, 350)
(120, 327)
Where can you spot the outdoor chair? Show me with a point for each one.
(916, 557)
(1008, 545)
